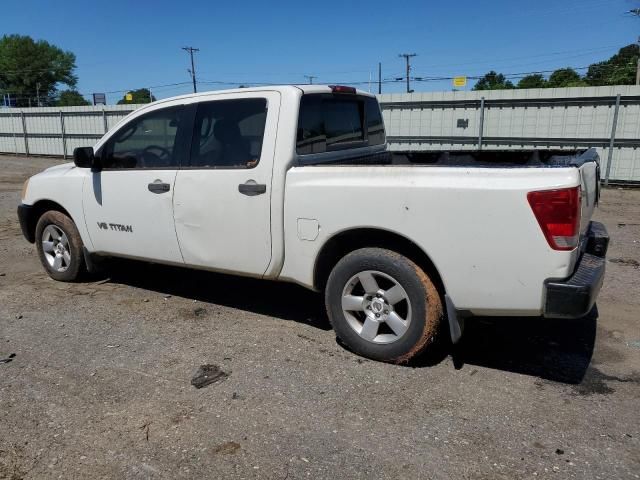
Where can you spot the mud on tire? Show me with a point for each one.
(383, 306)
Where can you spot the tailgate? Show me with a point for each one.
(590, 187)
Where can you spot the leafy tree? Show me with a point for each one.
(493, 81)
(28, 67)
(532, 81)
(71, 98)
(142, 95)
(620, 69)
(565, 77)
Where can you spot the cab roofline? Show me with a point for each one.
(305, 88)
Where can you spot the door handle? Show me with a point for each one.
(158, 186)
(251, 188)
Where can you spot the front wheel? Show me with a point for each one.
(382, 305)
(60, 246)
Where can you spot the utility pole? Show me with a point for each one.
(38, 92)
(193, 67)
(379, 78)
(310, 77)
(407, 57)
(638, 67)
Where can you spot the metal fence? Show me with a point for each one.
(56, 130)
(607, 118)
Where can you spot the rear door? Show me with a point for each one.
(222, 197)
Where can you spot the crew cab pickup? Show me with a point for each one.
(296, 183)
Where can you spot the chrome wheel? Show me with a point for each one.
(55, 246)
(376, 306)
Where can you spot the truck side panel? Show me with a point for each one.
(474, 224)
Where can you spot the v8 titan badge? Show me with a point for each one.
(115, 226)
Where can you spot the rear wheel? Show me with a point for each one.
(60, 247)
(382, 305)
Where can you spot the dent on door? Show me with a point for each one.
(222, 229)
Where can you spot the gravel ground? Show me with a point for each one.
(100, 383)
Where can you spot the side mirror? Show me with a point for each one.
(83, 157)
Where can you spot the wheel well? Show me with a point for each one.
(346, 242)
(39, 208)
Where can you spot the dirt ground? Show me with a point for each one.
(100, 383)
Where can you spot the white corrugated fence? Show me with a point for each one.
(563, 118)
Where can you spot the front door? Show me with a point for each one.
(128, 205)
(222, 198)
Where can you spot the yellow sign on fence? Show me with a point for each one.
(128, 97)
(459, 81)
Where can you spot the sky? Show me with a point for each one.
(123, 45)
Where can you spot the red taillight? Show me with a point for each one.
(342, 89)
(558, 213)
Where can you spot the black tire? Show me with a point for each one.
(75, 268)
(422, 300)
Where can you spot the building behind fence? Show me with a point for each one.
(607, 118)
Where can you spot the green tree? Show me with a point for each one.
(620, 69)
(532, 81)
(493, 81)
(30, 68)
(565, 77)
(142, 95)
(71, 98)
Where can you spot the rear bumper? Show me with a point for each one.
(25, 216)
(575, 296)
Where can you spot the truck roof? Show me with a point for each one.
(306, 89)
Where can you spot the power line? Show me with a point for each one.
(550, 54)
(193, 67)
(172, 86)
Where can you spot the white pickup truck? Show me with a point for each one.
(296, 184)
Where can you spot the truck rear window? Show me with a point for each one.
(333, 122)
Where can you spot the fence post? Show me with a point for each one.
(13, 129)
(24, 134)
(481, 128)
(64, 139)
(104, 121)
(612, 141)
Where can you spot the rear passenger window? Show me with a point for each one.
(375, 125)
(229, 133)
(328, 122)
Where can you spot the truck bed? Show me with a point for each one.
(467, 158)
(496, 158)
